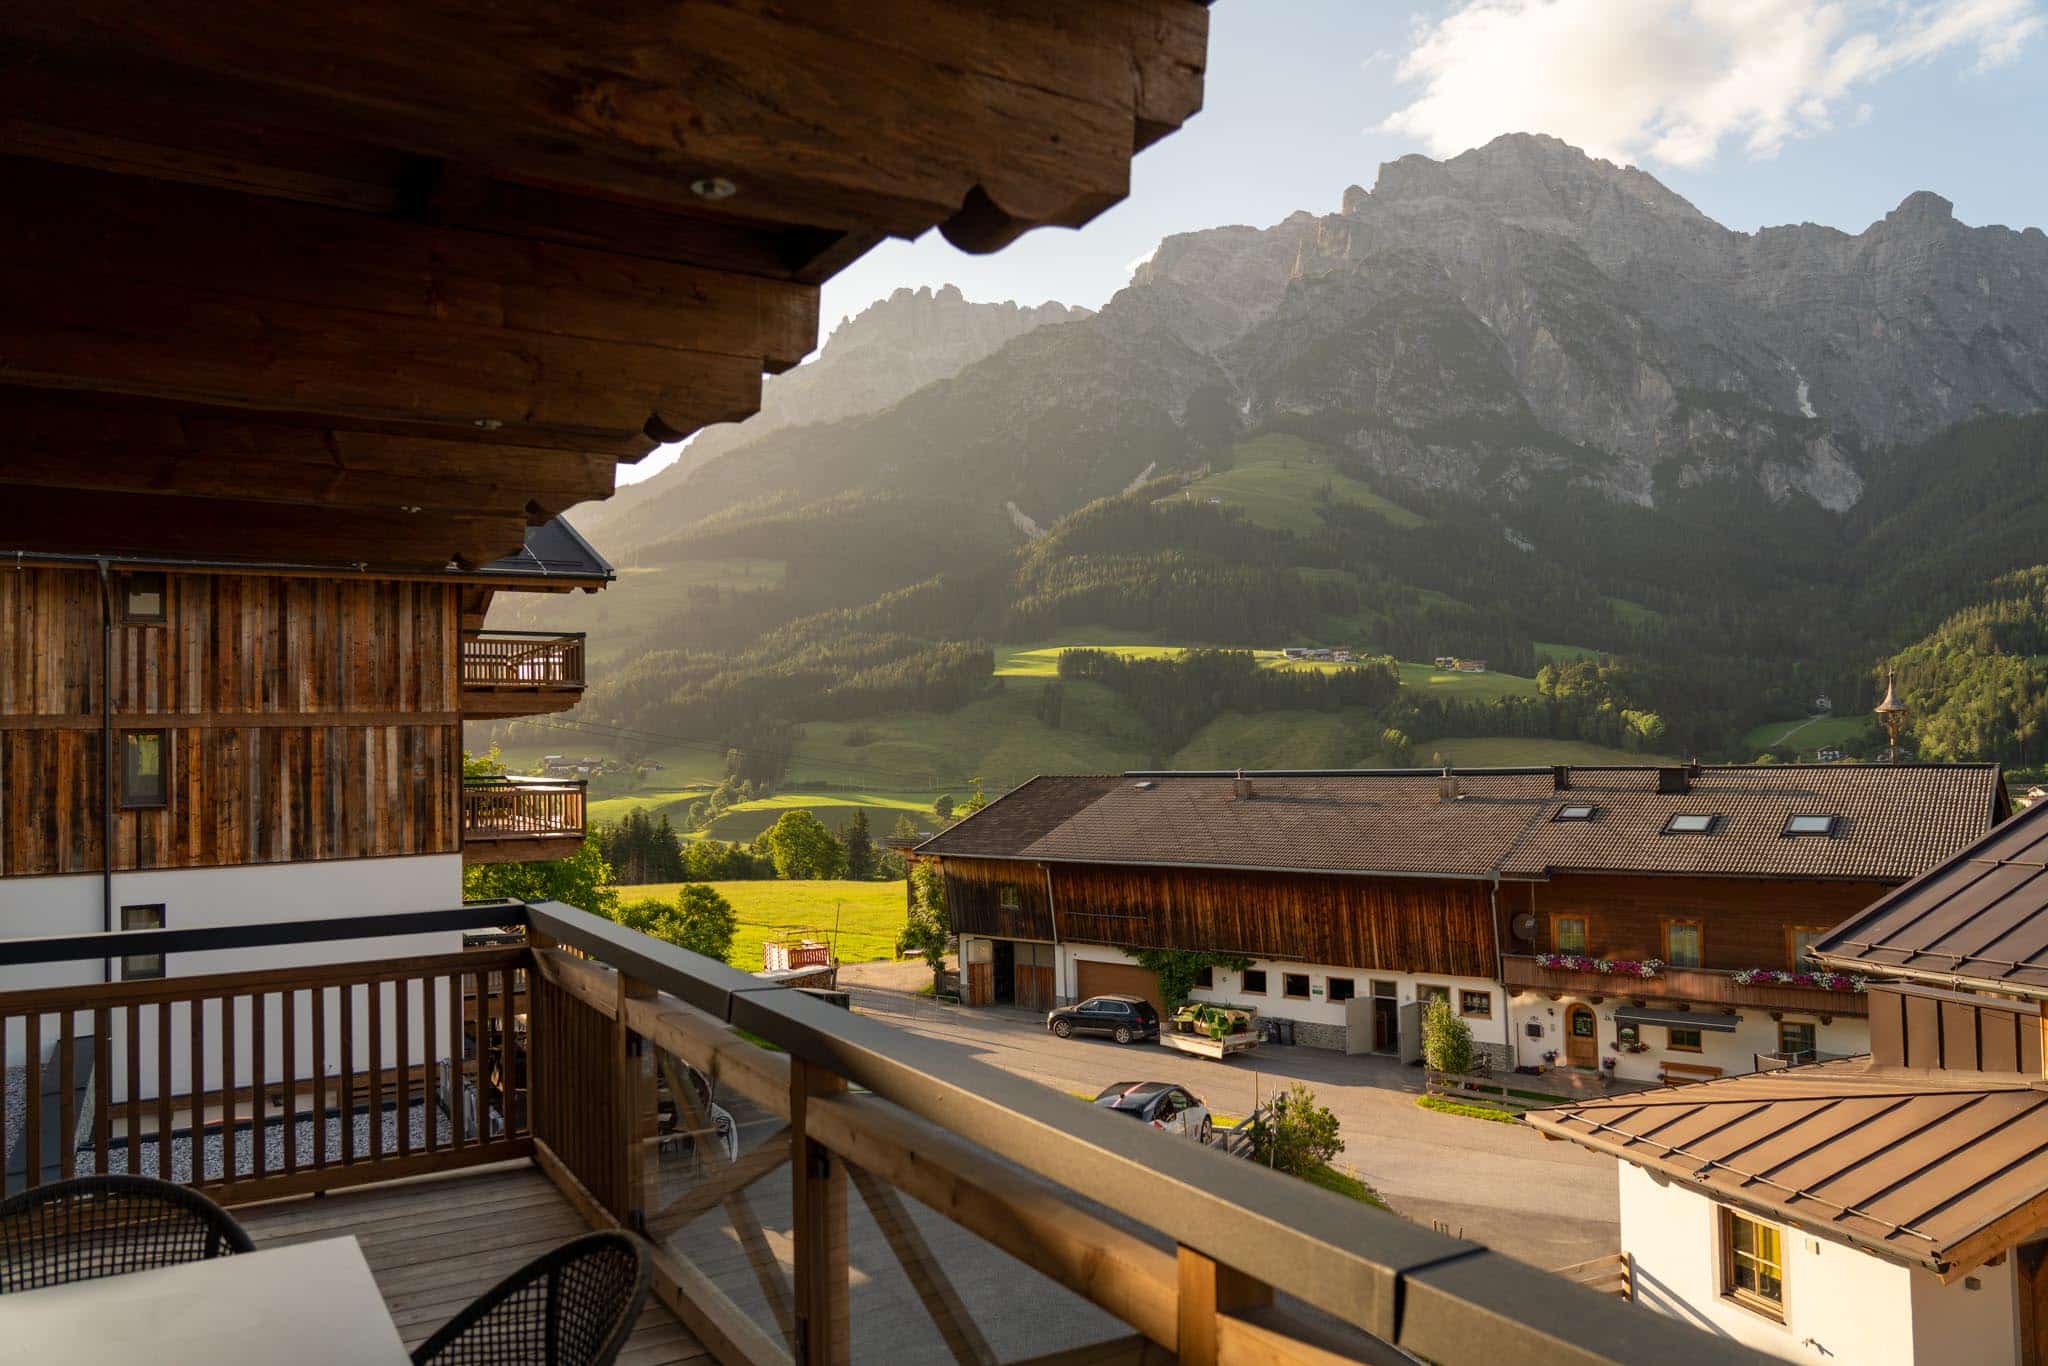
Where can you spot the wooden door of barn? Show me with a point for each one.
(1033, 976)
(1117, 979)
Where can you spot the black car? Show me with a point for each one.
(1126, 1019)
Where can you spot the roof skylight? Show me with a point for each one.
(1574, 813)
(1685, 823)
(1810, 825)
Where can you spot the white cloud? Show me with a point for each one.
(1673, 80)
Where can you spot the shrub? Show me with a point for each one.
(1446, 1039)
(1295, 1134)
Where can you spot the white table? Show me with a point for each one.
(311, 1304)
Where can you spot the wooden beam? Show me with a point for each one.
(1209, 1289)
(881, 116)
(723, 1185)
(949, 1313)
(824, 1328)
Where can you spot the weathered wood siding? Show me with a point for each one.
(1744, 922)
(974, 899)
(305, 719)
(1394, 924)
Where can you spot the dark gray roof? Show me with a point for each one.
(553, 550)
(1982, 916)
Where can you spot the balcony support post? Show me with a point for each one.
(818, 1189)
(1209, 1289)
(634, 1062)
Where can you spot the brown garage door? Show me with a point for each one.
(1118, 979)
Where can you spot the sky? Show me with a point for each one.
(1758, 111)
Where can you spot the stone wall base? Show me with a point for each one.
(1334, 1037)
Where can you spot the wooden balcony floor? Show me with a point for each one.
(437, 1243)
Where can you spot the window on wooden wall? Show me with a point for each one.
(142, 967)
(1753, 1263)
(1682, 1040)
(1476, 1004)
(1684, 943)
(142, 599)
(1341, 988)
(1294, 985)
(1568, 933)
(1255, 981)
(145, 768)
(1009, 897)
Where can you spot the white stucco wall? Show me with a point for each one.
(197, 898)
(1318, 1008)
(1733, 1052)
(1842, 1305)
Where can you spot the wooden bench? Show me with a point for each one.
(1678, 1073)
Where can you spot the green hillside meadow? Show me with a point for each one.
(862, 919)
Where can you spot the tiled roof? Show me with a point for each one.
(1915, 1166)
(1982, 916)
(554, 549)
(1891, 822)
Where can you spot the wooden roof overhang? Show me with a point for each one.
(389, 282)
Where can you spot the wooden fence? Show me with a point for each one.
(495, 809)
(537, 659)
(1614, 1274)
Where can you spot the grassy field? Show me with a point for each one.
(869, 915)
(1275, 739)
(1445, 683)
(1277, 481)
(1509, 751)
(1550, 653)
(654, 800)
(1634, 613)
(747, 819)
(1828, 732)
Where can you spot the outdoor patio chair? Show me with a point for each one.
(96, 1226)
(574, 1306)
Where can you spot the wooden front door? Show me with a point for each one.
(1386, 1025)
(1581, 1037)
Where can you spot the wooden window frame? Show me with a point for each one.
(1668, 924)
(130, 617)
(163, 741)
(1330, 989)
(1287, 981)
(129, 970)
(1249, 989)
(1792, 933)
(1485, 1014)
(1425, 992)
(1557, 932)
(1671, 1044)
(1749, 1299)
(1809, 1025)
(1009, 896)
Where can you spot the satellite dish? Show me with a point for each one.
(1524, 926)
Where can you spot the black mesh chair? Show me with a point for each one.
(574, 1306)
(108, 1226)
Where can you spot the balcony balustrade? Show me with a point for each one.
(516, 820)
(605, 1057)
(1695, 986)
(521, 673)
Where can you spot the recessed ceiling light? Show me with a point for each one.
(714, 187)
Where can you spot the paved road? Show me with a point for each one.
(1550, 1204)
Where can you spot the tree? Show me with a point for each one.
(583, 880)
(704, 921)
(859, 846)
(976, 799)
(905, 828)
(1446, 1039)
(928, 927)
(943, 809)
(486, 765)
(1295, 1134)
(803, 847)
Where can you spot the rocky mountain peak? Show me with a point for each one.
(1922, 209)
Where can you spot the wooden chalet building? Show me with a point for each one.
(1641, 914)
(1890, 1208)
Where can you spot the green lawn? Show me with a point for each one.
(1042, 659)
(1277, 482)
(869, 915)
(1803, 733)
(1564, 654)
(654, 800)
(1510, 751)
(747, 819)
(1275, 739)
(1446, 683)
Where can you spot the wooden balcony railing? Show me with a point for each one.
(430, 1063)
(1697, 986)
(512, 820)
(522, 659)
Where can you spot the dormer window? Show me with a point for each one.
(1810, 825)
(1691, 824)
(1574, 813)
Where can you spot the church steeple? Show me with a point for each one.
(1892, 713)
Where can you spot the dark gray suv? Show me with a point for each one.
(1127, 1019)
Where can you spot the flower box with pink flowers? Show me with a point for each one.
(1606, 967)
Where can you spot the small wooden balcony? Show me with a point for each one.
(849, 1192)
(520, 673)
(1691, 986)
(519, 820)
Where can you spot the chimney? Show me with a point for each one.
(1674, 781)
(1241, 788)
(1561, 777)
(1448, 788)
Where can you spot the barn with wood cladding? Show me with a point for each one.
(1654, 916)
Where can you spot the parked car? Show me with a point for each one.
(1161, 1104)
(1126, 1019)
